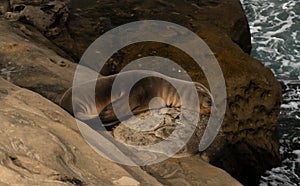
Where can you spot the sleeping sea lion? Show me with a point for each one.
(106, 97)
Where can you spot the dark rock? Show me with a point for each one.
(49, 17)
(99, 17)
(254, 95)
(4, 6)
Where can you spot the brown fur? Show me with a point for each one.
(140, 95)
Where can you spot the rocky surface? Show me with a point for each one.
(49, 17)
(101, 16)
(28, 60)
(185, 171)
(254, 95)
(41, 145)
(167, 121)
(36, 149)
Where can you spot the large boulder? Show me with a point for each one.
(42, 142)
(253, 94)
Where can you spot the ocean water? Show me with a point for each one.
(275, 29)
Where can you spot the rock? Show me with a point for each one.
(4, 7)
(28, 61)
(126, 181)
(163, 123)
(254, 95)
(190, 171)
(99, 17)
(56, 154)
(49, 17)
(41, 145)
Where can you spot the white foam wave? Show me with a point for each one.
(275, 34)
(274, 25)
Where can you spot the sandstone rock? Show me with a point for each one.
(41, 145)
(190, 171)
(126, 181)
(46, 158)
(28, 61)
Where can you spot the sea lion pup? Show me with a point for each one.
(135, 94)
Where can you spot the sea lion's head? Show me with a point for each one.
(80, 104)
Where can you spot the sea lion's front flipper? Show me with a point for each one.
(108, 115)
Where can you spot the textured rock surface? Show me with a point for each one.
(254, 94)
(41, 144)
(167, 121)
(189, 171)
(4, 7)
(48, 16)
(101, 16)
(28, 60)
